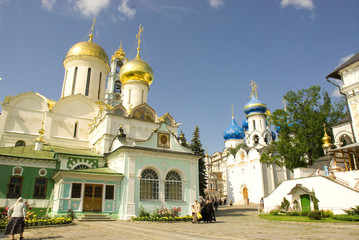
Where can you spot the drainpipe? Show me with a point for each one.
(346, 101)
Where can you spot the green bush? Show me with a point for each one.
(295, 213)
(327, 213)
(285, 204)
(353, 211)
(315, 214)
(304, 213)
(344, 217)
(143, 212)
(274, 212)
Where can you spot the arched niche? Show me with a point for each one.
(144, 112)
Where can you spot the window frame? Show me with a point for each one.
(171, 185)
(149, 187)
(8, 187)
(113, 192)
(72, 190)
(44, 186)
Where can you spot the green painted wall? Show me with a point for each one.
(29, 175)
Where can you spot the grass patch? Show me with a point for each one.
(297, 219)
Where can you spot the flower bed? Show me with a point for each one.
(40, 222)
(163, 219)
(161, 215)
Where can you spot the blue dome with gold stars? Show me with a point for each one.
(254, 106)
(233, 131)
(245, 124)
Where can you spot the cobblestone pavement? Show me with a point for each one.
(237, 222)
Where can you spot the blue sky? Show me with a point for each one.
(204, 53)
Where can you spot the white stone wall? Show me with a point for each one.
(134, 94)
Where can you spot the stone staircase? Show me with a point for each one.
(95, 218)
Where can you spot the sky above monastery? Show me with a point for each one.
(204, 53)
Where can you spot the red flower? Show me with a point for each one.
(29, 208)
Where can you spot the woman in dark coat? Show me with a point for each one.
(207, 212)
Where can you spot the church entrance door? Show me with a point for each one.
(93, 198)
(245, 193)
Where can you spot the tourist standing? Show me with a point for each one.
(262, 203)
(326, 172)
(17, 215)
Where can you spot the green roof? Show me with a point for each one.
(47, 153)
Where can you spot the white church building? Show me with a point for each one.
(100, 147)
(241, 177)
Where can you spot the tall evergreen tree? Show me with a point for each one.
(301, 127)
(196, 147)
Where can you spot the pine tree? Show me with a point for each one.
(196, 147)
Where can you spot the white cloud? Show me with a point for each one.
(48, 4)
(344, 59)
(126, 9)
(216, 3)
(298, 4)
(91, 8)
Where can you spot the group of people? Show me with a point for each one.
(326, 171)
(204, 211)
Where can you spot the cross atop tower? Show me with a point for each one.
(254, 89)
(285, 105)
(138, 36)
(91, 34)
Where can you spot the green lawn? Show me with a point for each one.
(298, 219)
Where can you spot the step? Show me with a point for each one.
(95, 217)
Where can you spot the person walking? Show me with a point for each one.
(197, 208)
(17, 215)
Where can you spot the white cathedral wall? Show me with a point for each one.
(134, 94)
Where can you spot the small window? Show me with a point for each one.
(254, 124)
(109, 192)
(76, 190)
(75, 129)
(99, 86)
(40, 188)
(81, 166)
(88, 82)
(74, 81)
(117, 87)
(20, 143)
(14, 187)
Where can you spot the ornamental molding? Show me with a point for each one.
(28, 162)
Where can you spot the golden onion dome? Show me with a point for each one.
(136, 70)
(326, 140)
(87, 49)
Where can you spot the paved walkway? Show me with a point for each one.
(237, 222)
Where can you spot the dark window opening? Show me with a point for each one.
(14, 187)
(88, 81)
(74, 81)
(20, 143)
(110, 192)
(40, 188)
(99, 86)
(117, 87)
(76, 190)
(75, 130)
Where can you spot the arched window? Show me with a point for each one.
(256, 139)
(254, 124)
(149, 185)
(117, 87)
(88, 81)
(74, 81)
(75, 129)
(14, 187)
(99, 86)
(20, 143)
(81, 166)
(173, 186)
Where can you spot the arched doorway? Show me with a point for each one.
(245, 193)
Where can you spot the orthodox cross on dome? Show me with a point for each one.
(254, 89)
(232, 112)
(138, 36)
(91, 34)
(285, 105)
(41, 131)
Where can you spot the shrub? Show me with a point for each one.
(274, 212)
(143, 212)
(327, 213)
(315, 214)
(353, 211)
(304, 213)
(285, 204)
(344, 217)
(295, 213)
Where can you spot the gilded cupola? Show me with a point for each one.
(137, 70)
(87, 49)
